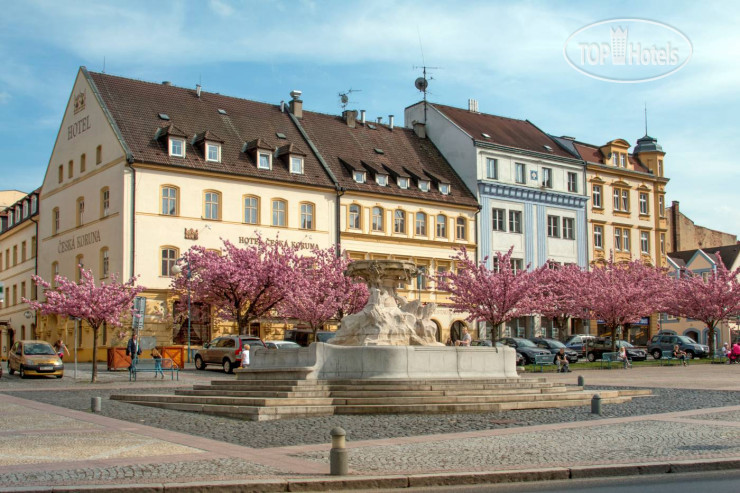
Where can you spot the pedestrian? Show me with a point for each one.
(623, 357)
(245, 356)
(562, 361)
(61, 348)
(734, 353)
(157, 357)
(678, 354)
(133, 349)
(724, 351)
(466, 338)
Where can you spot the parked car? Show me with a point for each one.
(304, 337)
(34, 358)
(525, 347)
(576, 342)
(487, 343)
(282, 345)
(554, 346)
(595, 348)
(664, 342)
(224, 351)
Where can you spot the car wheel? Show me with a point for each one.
(21, 373)
(59, 376)
(690, 355)
(591, 357)
(199, 365)
(228, 367)
(525, 360)
(10, 370)
(657, 354)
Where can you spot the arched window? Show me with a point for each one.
(441, 228)
(168, 256)
(420, 227)
(80, 218)
(307, 213)
(170, 202)
(399, 221)
(460, 229)
(377, 222)
(355, 216)
(251, 210)
(212, 202)
(279, 213)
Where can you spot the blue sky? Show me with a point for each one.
(508, 56)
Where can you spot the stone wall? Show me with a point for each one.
(683, 234)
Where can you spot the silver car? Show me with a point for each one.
(224, 351)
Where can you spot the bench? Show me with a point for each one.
(543, 360)
(719, 359)
(147, 366)
(666, 358)
(609, 358)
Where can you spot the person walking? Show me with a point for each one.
(61, 348)
(157, 357)
(133, 349)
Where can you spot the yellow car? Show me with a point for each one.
(34, 358)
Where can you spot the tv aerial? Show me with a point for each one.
(344, 97)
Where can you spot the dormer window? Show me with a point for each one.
(213, 152)
(34, 204)
(623, 160)
(358, 176)
(264, 160)
(403, 182)
(296, 165)
(177, 147)
(424, 185)
(381, 180)
(444, 188)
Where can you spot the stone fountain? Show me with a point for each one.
(389, 338)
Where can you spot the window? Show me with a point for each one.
(61, 173)
(644, 242)
(70, 169)
(1, 261)
(623, 160)
(55, 221)
(625, 200)
(572, 182)
(98, 154)
(307, 216)
(569, 232)
(553, 226)
(213, 153)
(23, 289)
(403, 182)
(33, 246)
(169, 201)
(54, 273)
(177, 147)
(17, 214)
(296, 165)
(354, 216)
(520, 173)
(621, 200)
(83, 163)
(644, 203)
(7, 258)
(79, 265)
(599, 237)
(460, 228)
(626, 239)
(660, 167)
(25, 209)
(661, 205)
(104, 263)
(251, 209)
(23, 251)
(441, 226)
(496, 264)
(377, 219)
(498, 219)
(381, 180)
(264, 160)
(212, 201)
(517, 265)
(279, 210)
(169, 255)
(424, 185)
(547, 177)
(15, 255)
(618, 239)
(34, 204)
(399, 221)
(596, 196)
(105, 202)
(616, 199)
(491, 168)
(358, 176)
(444, 188)
(515, 221)
(422, 280)
(662, 243)
(421, 224)
(80, 211)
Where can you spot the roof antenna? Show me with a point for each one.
(422, 83)
(344, 97)
(103, 63)
(646, 132)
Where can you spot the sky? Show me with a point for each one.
(509, 56)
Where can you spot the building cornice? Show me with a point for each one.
(642, 175)
(532, 195)
(522, 152)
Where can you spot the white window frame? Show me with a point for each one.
(252, 210)
(520, 173)
(424, 185)
(626, 239)
(572, 182)
(491, 168)
(598, 237)
(644, 209)
(211, 146)
(553, 226)
(623, 160)
(279, 216)
(596, 196)
(498, 219)
(569, 228)
(515, 221)
(399, 220)
(644, 242)
(403, 182)
(617, 199)
(296, 160)
(308, 212)
(266, 155)
(354, 219)
(358, 176)
(547, 177)
(174, 140)
(381, 180)
(444, 188)
(376, 220)
(618, 239)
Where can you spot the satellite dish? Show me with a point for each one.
(344, 98)
(421, 84)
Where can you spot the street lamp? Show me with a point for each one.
(176, 269)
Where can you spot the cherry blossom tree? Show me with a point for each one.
(106, 303)
(493, 295)
(240, 284)
(561, 295)
(320, 291)
(622, 293)
(711, 300)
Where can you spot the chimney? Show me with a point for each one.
(473, 105)
(350, 116)
(282, 106)
(420, 129)
(362, 116)
(296, 104)
(166, 83)
(390, 121)
(675, 227)
(380, 120)
(197, 90)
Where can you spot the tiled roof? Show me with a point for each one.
(519, 134)
(403, 154)
(728, 253)
(592, 154)
(135, 106)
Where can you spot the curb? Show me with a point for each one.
(328, 483)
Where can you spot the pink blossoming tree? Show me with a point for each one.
(106, 303)
(320, 291)
(242, 284)
(494, 295)
(710, 300)
(561, 295)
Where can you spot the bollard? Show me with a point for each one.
(338, 453)
(581, 381)
(96, 404)
(596, 404)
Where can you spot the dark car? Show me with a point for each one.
(487, 343)
(525, 347)
(665, 342)
(577, 342)
(304, 337)
(596, 347)
(224, 351)
(554, 347)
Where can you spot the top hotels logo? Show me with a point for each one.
(627, 50)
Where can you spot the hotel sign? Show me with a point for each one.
(300, 245)
(78, 241)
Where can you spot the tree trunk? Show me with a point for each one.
(95, 353)
(562, 324)
(710, 339)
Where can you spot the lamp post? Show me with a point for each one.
(176, 269)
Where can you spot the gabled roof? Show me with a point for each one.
(728, 253)
(135, 107)
(509, 132)
(403, 154)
